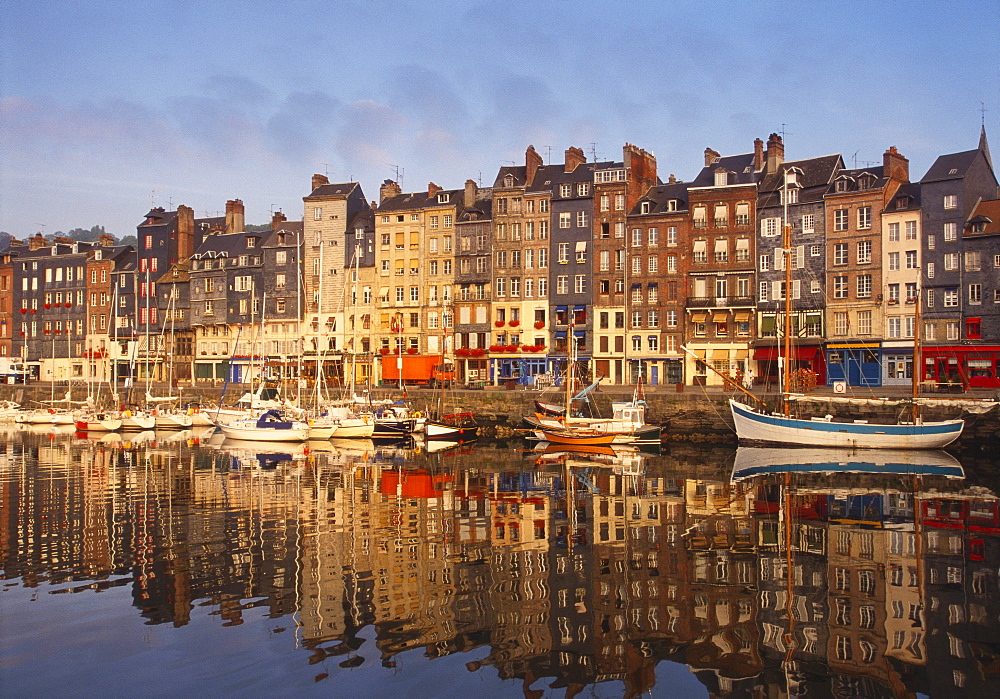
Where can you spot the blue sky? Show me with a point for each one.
(108, 106)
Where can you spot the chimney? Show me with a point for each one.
(758, 155)
(105, 240)
(775, 154)
(185, 232)
(640, 165)
(532, 161)
(388, 190)
(710, 155)
(432, 190)
(895, 166)
(61, 240)
(471, 194)
(277, 218)
(318, 181)
(234, 216)
(36, 242)
(672, 179)
(574, 159)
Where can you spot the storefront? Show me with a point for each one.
(962, 366)
(806, 360)
(857, 363)
(897, 363)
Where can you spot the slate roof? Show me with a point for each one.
(420, 200)
(659, 195)
(342, 189)
(950, 167)
(291, 229)
(739, 165)
(817, 174)
(160, 217)
(909, 192)
(225, 245)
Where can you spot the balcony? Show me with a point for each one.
(721, 301)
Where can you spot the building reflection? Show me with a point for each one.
(573, 570)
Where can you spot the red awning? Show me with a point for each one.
(770, 354)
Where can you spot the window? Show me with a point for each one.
(865, 252)
(972, 261)
(565, 190)
(840, 287)
(950, 261)
(653, 237)
(653, 264)
(562, 252)
(582, 189)
(864, 322)
(911, 259)
(770, 227)
(893, 261)
(809, 223)
(951, 298)
(930, 270)
(975, 294)
(764, 263)
(840, 220)
(911, 230)
(951, 201)
(581, 251)
(840, 253)
(950, 232)
(893, 232)
(672, 238)
(580, 283)
(864, 286)
(562, 284)
(841, 324)
(581, 219)
(605, 202)
(865, 217)
(564, 219)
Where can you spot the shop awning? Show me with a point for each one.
(743, 316)
(579, 308)
(719, 316)
(741, 354)
(561, 309)
(699, 317)
(561, 335)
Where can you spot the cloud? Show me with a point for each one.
(370, 134)
(296, 130)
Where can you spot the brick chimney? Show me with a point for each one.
(105, 240)
(758, 155)
(641, 167)
(672, 179)
(318, 181)
(388, 190)
(710, 155)
(36, 242)
(471, 194)
(62, 240)
(432, 190)
(277, 218)
(185, 232)
(775, 154)
(234, 216)
(895, 166)
(532, 161)
(574, 159)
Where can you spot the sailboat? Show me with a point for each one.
(458, 426)
(779, 427)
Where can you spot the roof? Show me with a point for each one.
(986, 213)
(950, 167)
(739, 165)
(816, 176)
(659, 195)
(227, 244)
(907, 198)
(292, 230)
(340, 189)
(420, 200)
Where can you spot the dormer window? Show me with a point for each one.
(444, 198)
(97, 254)
(251, 242)
(901, 202)
(508, 181)
(841, 185)
(866, 182)
(645, 207)
(672, 205)
(721, 178)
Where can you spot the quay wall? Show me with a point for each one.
(694, 415)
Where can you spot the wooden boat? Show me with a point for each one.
(271, 426)
(577, 436)
(460, 427)
(758, 461)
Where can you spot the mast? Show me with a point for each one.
(114, 335)
(148, 308)
(570, 367)
(918, 367)
(786, 243)
(319, 322)
(299, 340)
(172, 309)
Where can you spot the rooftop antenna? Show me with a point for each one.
(548, 155)
(854, 159)
(152, 199)
(170, 202)
(785, 133)
(400, 171)
(326, 169)
(593, 152)
(982, 113)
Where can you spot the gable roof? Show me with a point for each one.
(950, 167)
(988, 213)
(817, 174)
(739, 165)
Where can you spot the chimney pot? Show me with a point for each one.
(318, 181)
(710, 155)
(758, 154)
(532, 161)
(574, 159)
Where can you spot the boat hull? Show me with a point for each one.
(769, 428)
(762, 461)
(577, 437)
(440, 430)
(266, 434)
(138, 423)
(172, 421)
(108, 425)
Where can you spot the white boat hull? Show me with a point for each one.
(752, 426)
(253, 433)
(139, 423)
(172, 421)
(322, 431)
(356, 428)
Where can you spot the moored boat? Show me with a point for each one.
(269, 427)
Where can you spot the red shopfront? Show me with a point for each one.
(972, 367)
(809, 358)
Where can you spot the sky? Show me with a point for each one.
(108, 108)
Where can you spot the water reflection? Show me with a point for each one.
(539, 569)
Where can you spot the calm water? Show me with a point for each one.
(170, 567)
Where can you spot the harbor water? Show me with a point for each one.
(179, 563)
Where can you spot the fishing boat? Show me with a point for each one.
(757, 424)
(271, 426)
(461, 427)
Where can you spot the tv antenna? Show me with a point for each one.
(982, 113)
(152, 199)
(399, 171)
(784, 133)
(548, 155)
(326, 169)
(593, 152)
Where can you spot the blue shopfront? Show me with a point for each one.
(521, 369)
(857, 363)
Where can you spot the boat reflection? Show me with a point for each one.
(755, 461)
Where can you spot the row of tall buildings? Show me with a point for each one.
(605, 261)
(572, 571)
